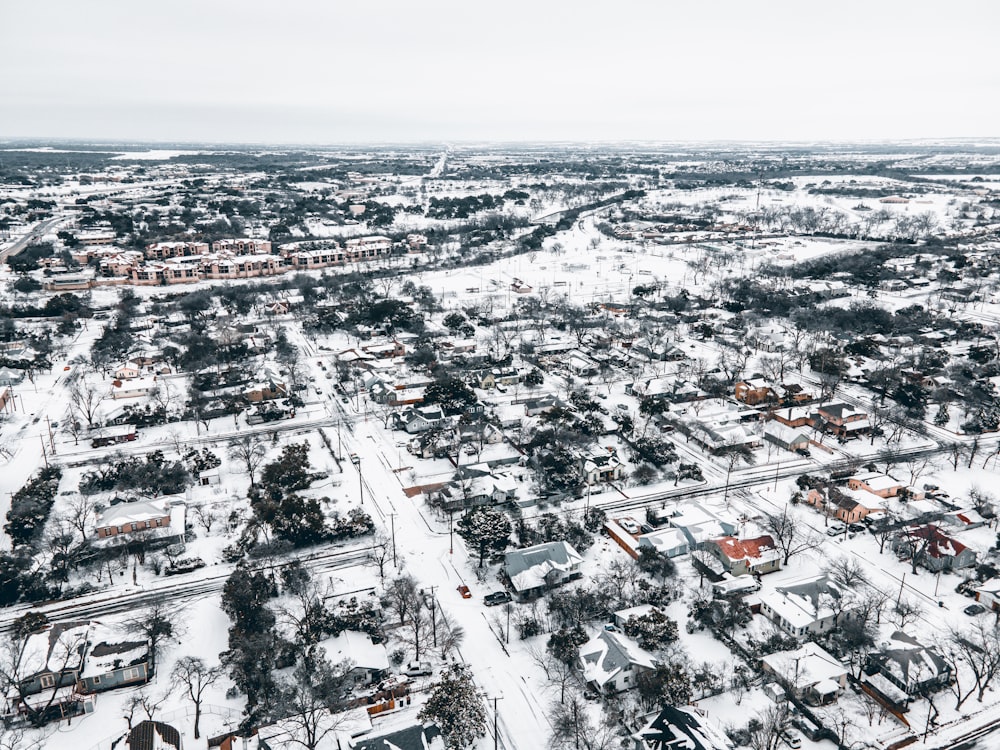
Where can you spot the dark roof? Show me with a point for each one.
(143, 736)
(415, 737)
(677, 729)
(106, 649)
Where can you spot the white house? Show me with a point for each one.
(612, 661)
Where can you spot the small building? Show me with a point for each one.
(910, 666)
(670, 542)
(933, 549)
(126, 518)
(370, 662)
(603, 467)
(153, 735)
(113, 660)
(741, 557)
(134, 388)
(753, 392)
(680, 728)
(534, 570)
(612, 661)
(814, 604)
(811, 672)
(883, 485)
(9, 376)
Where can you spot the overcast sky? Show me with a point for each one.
(328, 71)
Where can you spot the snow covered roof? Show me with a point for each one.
(110, 649)
(607, 654)
(806, 666)
(57, 649)
(682, 727)
(528, 568)
(124, 513)
(357, 647)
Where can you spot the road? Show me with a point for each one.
(177, 591)
(34, 235)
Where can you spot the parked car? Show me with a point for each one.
(629, 525)
(974, 609)
(856, 527)
(184, 565)
(836, 529)
(791, 739)
(496, 597)
(418, 669)
(464, 591)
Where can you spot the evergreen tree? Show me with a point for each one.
(456, 708)
(485, 529)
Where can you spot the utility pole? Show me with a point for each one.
(356, 460)
(52, 442)
(392, 522)
(508, 623)
(496, 735)
(900, 597)
(451, 533)
(45, 456)
(432, 606)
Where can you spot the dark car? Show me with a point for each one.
(496, 597)
(856, 527)
(974, 609)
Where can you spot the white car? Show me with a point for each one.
(418, 669)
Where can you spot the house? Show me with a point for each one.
(370, 662)
(415, 737)
(670, 542)
(789, 438)
(814, 604)
(611, 661)
(988, 594)
(603, 467)
(126, 518)
(126, 372)
(134, 388)
(741, 557)
(9, 376)
(908, 665)
(933, 549)
(53, 657)
(846, 505)
(680, 728)
(533, 570)
(266, 390)
(843, 420)
(882, 485)
(153, 735)
(113, 660)
(753, 392)
(700, 524)
(810, 672)
(420, 418)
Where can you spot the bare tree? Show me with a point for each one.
(559, 675)
(205, 516)
(85, 399)
(249, 451)
(905, 612)
(158, 623)
(145, 702)
(66, 642)
(309, 698)
(788, 535)
(978, 648)
(82, 513)
(191, 676)
(379, 553)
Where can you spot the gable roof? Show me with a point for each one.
(527, 568)
(758, 548)
(677, 728)
(153, 735)
(416, 737)
(608, 654)
(909, 660)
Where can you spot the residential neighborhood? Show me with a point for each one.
(344, 449)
